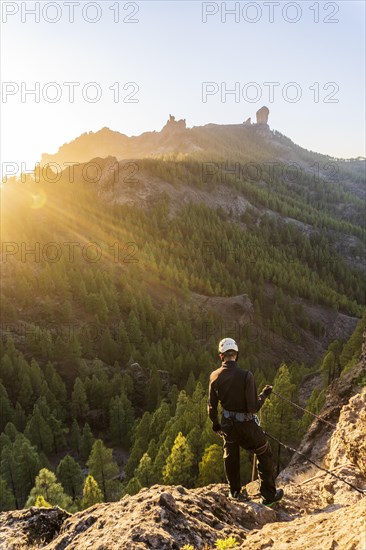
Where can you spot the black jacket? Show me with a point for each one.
(235, 389)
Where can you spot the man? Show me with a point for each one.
(235, 389)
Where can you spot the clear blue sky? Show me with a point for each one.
(169, 53)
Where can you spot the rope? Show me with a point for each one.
(304, 410)
(254, 464)
(318, 476)
(362, 491)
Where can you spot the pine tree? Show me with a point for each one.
(178, 465)
(352, 347)
(70, 475)
(211, 468)
(75, 437)
(20, 418)
(86, 442)
(6, 409)
(103, 468)
(133, 329)
(47, 486)
(28, 465)
(87, 344)
(153, 390)
(164, 449)
(41, 502)
(159, 420)
(79, 401)
(132, 487)
(59, 433)
(328, 368)
(56, 385)
(7, 500)
(10, 472)
(121, 420)
(141, 441)
(144, 471)
(313, 404)
(39, 432)
(36, 377)
(196, 443)
(191, 384)
(173, 398)
(277, 414)
(25, 395)
(124, 345)
(109, 348)
(91, 493)
(11, 431)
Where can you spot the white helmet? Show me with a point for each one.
(227, 344)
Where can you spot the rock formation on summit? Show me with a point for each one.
(173, 126)
(262, 115)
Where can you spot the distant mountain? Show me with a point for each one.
(244, 143)
(197, 164)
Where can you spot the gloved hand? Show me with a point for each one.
(267, 390)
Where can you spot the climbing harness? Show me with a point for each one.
(238, 416)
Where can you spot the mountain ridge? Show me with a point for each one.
(175, 137)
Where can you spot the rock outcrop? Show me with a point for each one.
(173, 126)
(234, 310)
(25, 529)
(262, 115)
(161, 517)
(343, 392)
(342, 529)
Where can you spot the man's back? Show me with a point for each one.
(234, 388)
(229, 383)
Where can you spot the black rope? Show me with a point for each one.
(304, 410)
(362, 491)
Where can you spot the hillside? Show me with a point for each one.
(120, 276)
(249, 170)
(317, 510)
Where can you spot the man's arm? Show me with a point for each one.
(212, 404)
(255, 401)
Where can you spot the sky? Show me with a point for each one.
(134, 63)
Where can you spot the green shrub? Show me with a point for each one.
(226, 544)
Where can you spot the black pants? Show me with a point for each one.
(251, 437)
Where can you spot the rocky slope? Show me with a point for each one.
(318, 511)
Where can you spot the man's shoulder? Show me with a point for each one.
(248, 373)
(238, 371)
(245, 373)
(214, 374)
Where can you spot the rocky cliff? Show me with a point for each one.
(318, 511)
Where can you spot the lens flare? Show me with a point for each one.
(39, 199)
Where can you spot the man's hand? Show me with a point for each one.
(267, 390)
(217, 429)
